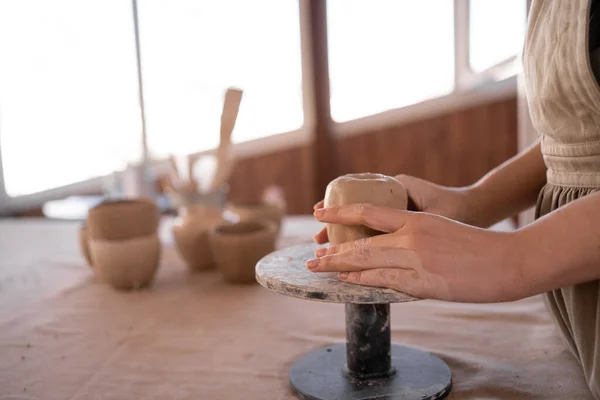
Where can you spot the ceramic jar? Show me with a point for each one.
(191, 233)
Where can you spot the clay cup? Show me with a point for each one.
(123, 241)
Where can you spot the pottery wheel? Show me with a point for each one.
(368, 366)
(285, 272)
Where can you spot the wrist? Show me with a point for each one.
(501, 275)
(471, 205)
(541, 265)
(522, 263)
(562, 248)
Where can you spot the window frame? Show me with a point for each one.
(467, 78)
(494, 83)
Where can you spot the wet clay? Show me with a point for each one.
(237, 248)
(191, 234)
(128, 263)
(368, 188)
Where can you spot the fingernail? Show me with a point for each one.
(312, 264)
(319, 213)
(321, 252)
(343, 275)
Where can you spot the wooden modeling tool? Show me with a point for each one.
(225, 160)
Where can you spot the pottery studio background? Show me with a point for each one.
(249, 108)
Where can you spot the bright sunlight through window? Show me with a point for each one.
(387, 54)
(69, 106)
(68, 92)
(496, 31)
(193, 50)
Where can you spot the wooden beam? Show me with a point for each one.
(313, 14)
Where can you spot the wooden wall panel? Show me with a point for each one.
(454, 149)
(291, 169)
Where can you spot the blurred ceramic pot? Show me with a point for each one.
(123, 219)
(259, 212)
(128, 263)
(123, 242)
(191, 233)
(238, 247)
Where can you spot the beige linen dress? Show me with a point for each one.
(564, 99)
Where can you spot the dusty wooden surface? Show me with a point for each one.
(193, 336)
(284, 271)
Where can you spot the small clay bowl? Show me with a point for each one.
(191, 231)
(127, 264)
(238, 247)
(258, 212)
(123, 219)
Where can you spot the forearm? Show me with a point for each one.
(562, 248)
(507, 190)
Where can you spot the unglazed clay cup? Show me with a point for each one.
(238, 247)
(123, 219)
(128, 263)
(123, 242)
(191, 234)
(259, 212)
(367, 188)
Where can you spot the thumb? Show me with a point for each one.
(414, 188)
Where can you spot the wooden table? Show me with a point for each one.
(193, 336)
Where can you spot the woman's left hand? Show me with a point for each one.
(424, 255)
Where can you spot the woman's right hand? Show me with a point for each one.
(426, 197)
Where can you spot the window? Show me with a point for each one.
(68, 92)
(387, 54)
(192, 50)
(496, 31)
(69, 102)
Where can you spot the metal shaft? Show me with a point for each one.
(368, 341)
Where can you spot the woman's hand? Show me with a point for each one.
(424, 255)
(431, 198)
(427, 197)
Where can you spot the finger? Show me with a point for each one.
(319, 205)
(343, 247)
(321, 237)
(365, 258)
(378, 277)
(412, 186)
(406, 281)
(383, 219)
(357, 245)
